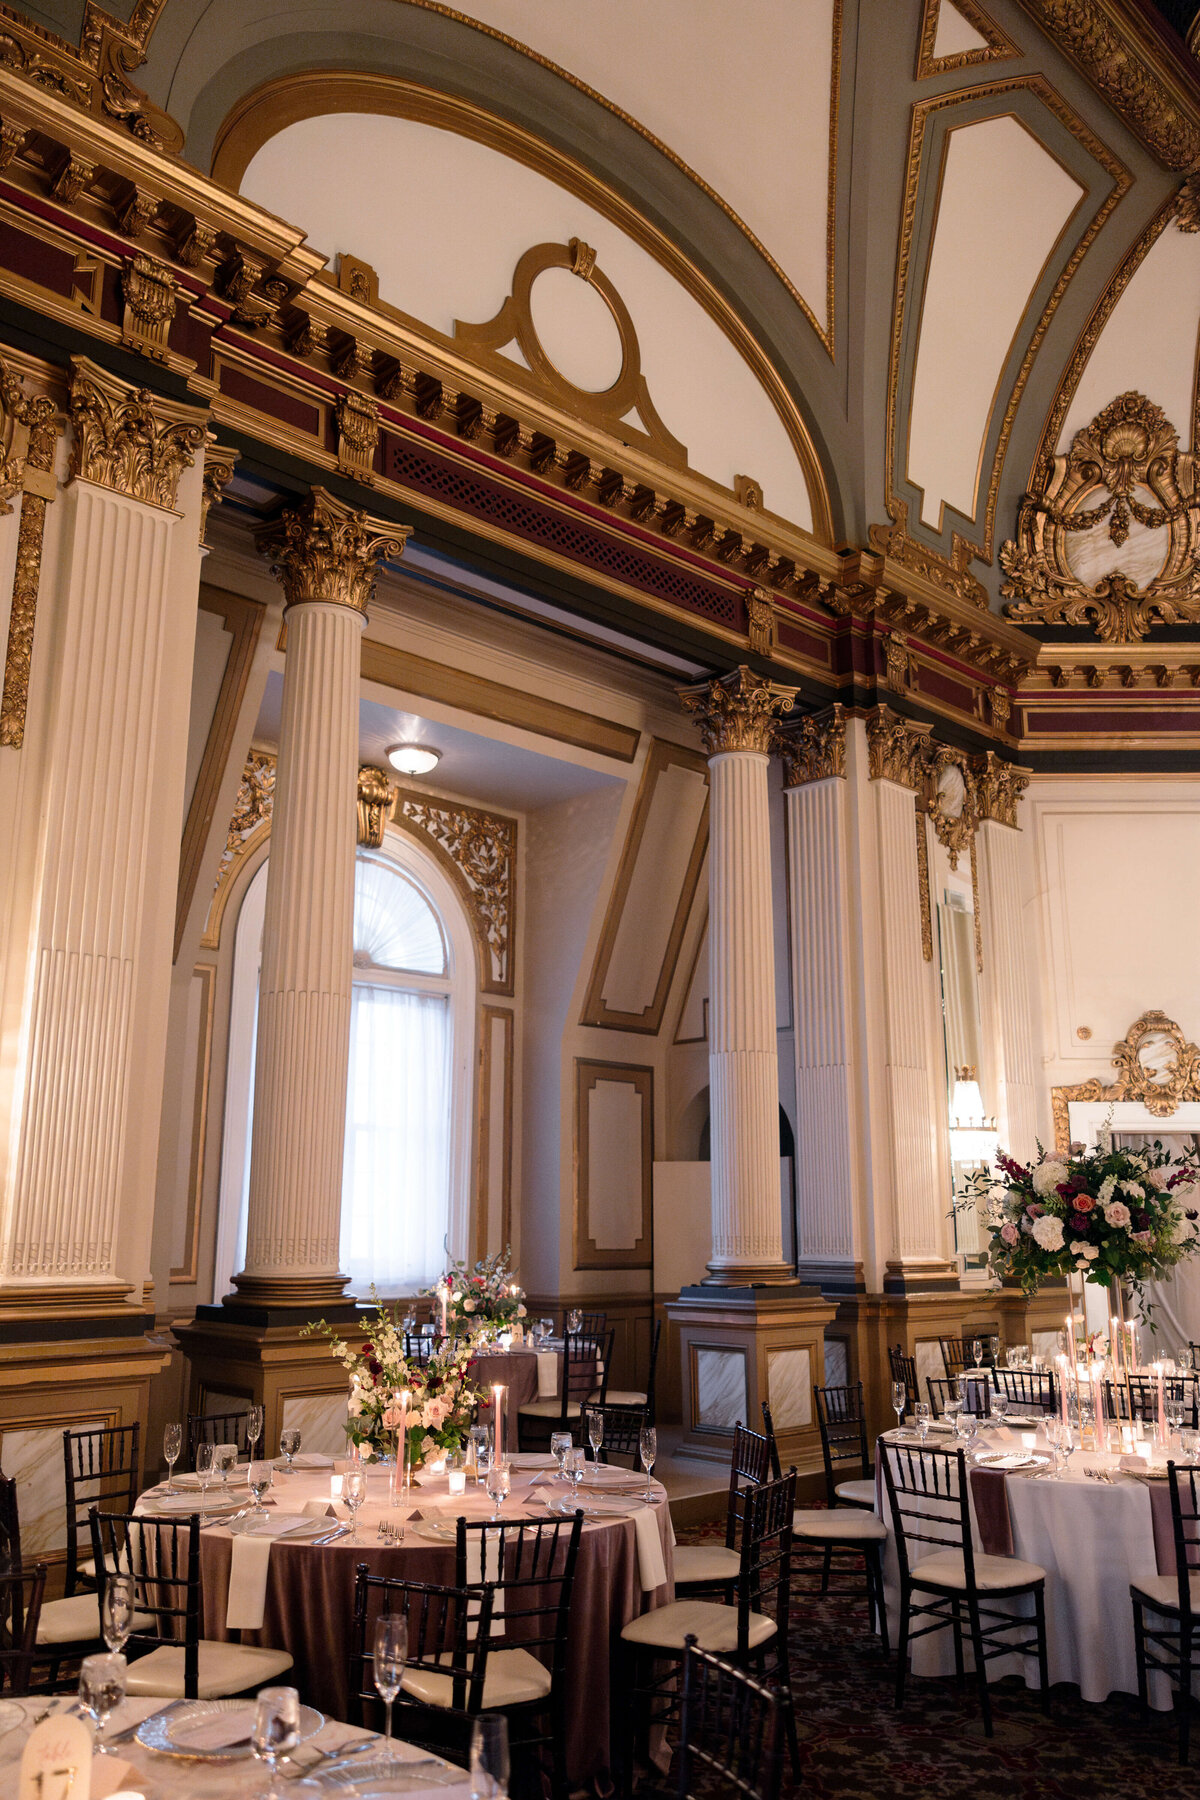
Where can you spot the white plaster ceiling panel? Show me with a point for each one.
(446, 221)
(652, 898)
(1003, 204)
(1150, 341)
(733, 91)
(955, 36)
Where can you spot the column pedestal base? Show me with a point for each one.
(743, 1345)
(243, 1352)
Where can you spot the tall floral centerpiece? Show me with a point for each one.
(433, 1402)
(484, 1298)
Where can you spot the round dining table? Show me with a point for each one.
(624, 1569)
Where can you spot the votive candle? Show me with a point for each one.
(457, 1481)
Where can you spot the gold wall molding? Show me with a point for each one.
(997, 48)
(1161, 1092)
(738, 711)
(480, 851)
(219, 463)
(150, 292)
(248, 829)
(323, 550)
(376, 797)
(588, 1253)
(129, 440)
(95, 77)
(187, 1272)
(815, 749)
(923, 895)
(999, 786)
(358, 435)
(950, 572)
(1128, 449)
(29, 431)
(762, 625)
(489, 1018)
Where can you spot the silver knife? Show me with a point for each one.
(330, 1536)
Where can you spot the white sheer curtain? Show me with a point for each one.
(396, 1182)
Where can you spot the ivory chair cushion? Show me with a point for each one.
(548, 1409)
(856, 1493)
(619, 1397)
(1162, 1592)
(839, 1524)
(715, 1627)
(513, 1677)
(705, 1562)
(945, 1569)
(224, 1669)
(76, 1620)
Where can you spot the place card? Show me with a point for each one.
(56, 1763)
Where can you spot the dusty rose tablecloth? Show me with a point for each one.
(515, 1370)
(310, 1594)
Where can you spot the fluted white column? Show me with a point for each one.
(1004, 983)
(736, 717)
(326, 556)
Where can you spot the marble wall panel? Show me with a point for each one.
(320, 1419)
(789, 1385)
(34, 1458)
(930, 1361)
(837, 1362)
(721, 1399)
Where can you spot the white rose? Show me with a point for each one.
(1183, 1230)
(520, 1312)
(468, 1306)
(1085, 1252)
(455, 1298)
(1047, 1176)
(1048, 1231)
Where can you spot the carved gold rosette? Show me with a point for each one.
(815, 749)
(738, 711)
(1159, 1085)
(324, 550)
(376, 795)
(129, 440)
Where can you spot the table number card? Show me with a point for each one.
(56, 1763)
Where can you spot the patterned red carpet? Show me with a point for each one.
(855, 1746)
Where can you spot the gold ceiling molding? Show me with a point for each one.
(1129, 449)
(376, 797)
(129, 440)
(261, 115)
(150, 292)
(1160, 1087)
(29, 431)
(1126, 61)
(479, 849)
(997, 48)
(248, 829)
(323, 550)
(738, 711)
(96, 76)
(815, 749)
(951, 571)
(608, 410)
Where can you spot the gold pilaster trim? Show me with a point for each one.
(815, 749)
(129, 440)
(738, 711)
(376, 797)
(923, 885)
(997, 45)
(896, 748)
(150, 293)
(219, 463)
(999, 786)
(324, 550)
(976, 921)
(480, 850)
(248, 827)
(29, 429)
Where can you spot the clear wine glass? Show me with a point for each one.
(574, 1319)
(481, 1438)
(172, 1445)
(1054, 1437)
(204, 1465)
(101, 1691)
(595, 1431)
(1000, 1404)
(967, 1425)
(648, 1450)
(489, 1758)
(547, 1328)
(224, 1462)
(899, 1401)
(1175, 1410)
(574, 1469)
(390, 1652)
(260, 1476)
(560, 1443)
(116, 1611)
(499, 1482)
(254, 1425)
(276, 1729)
(921, 1415)
(289, 1443)
(354, 1492)
(951, 1411)
(977, 1352)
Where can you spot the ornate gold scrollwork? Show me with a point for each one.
(760, 618)
(1161, 1085)
(896, 748)
(130, 440)
(150, 292)
(248, 827)
(376, 796)
(1125, 466)
(815, 749)
(29, 429)
(323, 549)
(738, 711)
(219, 463)
(481, 850)
(358, 435)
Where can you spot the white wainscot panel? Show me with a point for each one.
(720, 1389)
(615, 1175)
(789, 1385)
(321, 1420)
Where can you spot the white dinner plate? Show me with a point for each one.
(437, 1534)
(273, 1525)
(380, 1780)
(175, 1505)
(190, 1483)
(167, 1733)
(609, 1508)
(1010, 1461)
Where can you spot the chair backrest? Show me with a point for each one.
(20, 1611)
(218, 1428)
(101, 1467)
(754, 1454)
(163, 1558)
(530, 1563)
(843, 1425)
(976, 1390)
(1185, 1519)
(1134, 1398)
(765, 1575)
(622, 1431)
(10, 1526)
(1027, 1387)
(953, 1355)
(988, 1340)
(940, 1389)
(904, 1368)
(418, 1348)
(927, 1494)
(582, 1374)
(437, 1642)
(591, 1324)
(730, 1727)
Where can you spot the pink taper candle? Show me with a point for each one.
(1062, 1388)
(1162, 1407)
(444, 1289)
(497, 1391)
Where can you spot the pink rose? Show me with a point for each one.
(1009, 1232)
(1083, 1203)
(1117, 1214)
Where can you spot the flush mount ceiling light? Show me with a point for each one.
(413, 759)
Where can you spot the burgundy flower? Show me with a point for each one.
(1064, 1190)
(1141, 1221)
(1078, 1222)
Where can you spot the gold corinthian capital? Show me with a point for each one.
(737, 711)
(324, 550)
(129, 440)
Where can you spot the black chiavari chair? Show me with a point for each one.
(64, 1630)
(438, 1660)
(904, 1368)
(419, 1347)
(953, 1357)
(1166, 1640)
(941, 1572)
(702, 1569)
(989, 1344)
(1033, 1389)
(101, 1467)
(729, 1729)
(218, 1428)
(21, 1593)
(622, 1431)
(582, 1358)
(842, 1419)
(638, 1396)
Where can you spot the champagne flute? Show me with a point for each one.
(289, 1443)
(899, 1401)
(254, 1425)
(573, 1471)
(921, 1415)
(116, 1611)
(499, 1481)
(172, 1445)
(101, 1689)
(276, 1729)
(204, 1465)
(595, 1430)
(354, 1492)
(260, 1475)
(390, 1651)
(648, 1450)
(977, 1352)
(574, 1319)
(489, 1758)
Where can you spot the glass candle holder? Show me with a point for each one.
(456, 1473)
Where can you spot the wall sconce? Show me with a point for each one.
(973, 1135)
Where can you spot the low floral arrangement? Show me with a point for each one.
(484, 1294)
(442, 1400)
(1107, 1214)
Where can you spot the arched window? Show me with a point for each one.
(406, 1173)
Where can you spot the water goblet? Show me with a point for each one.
(254, 1425)
(951, 1411)
(224, 1462)
(560, 1443)
(116, 1611)
(1184, 1357)
(172, 1445)
(1000, 1405)
(648, 1450)
(574, 1319)
(276, 1729)
(547, 1326)
(354, 1492)
(499, 1482)
(390, 1652)
(204, 1465)
(899, 1401)
(595, 1431)
(289, 1443)
(489, 1758)
(260, 1476)
(1189, 1442)
(921, 1415)
(101, 1690)
(574, 1470)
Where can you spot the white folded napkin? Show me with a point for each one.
(248, 1567)
(547, 1365)
(484, 1564)
(652, 1569)
(319, 1509)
